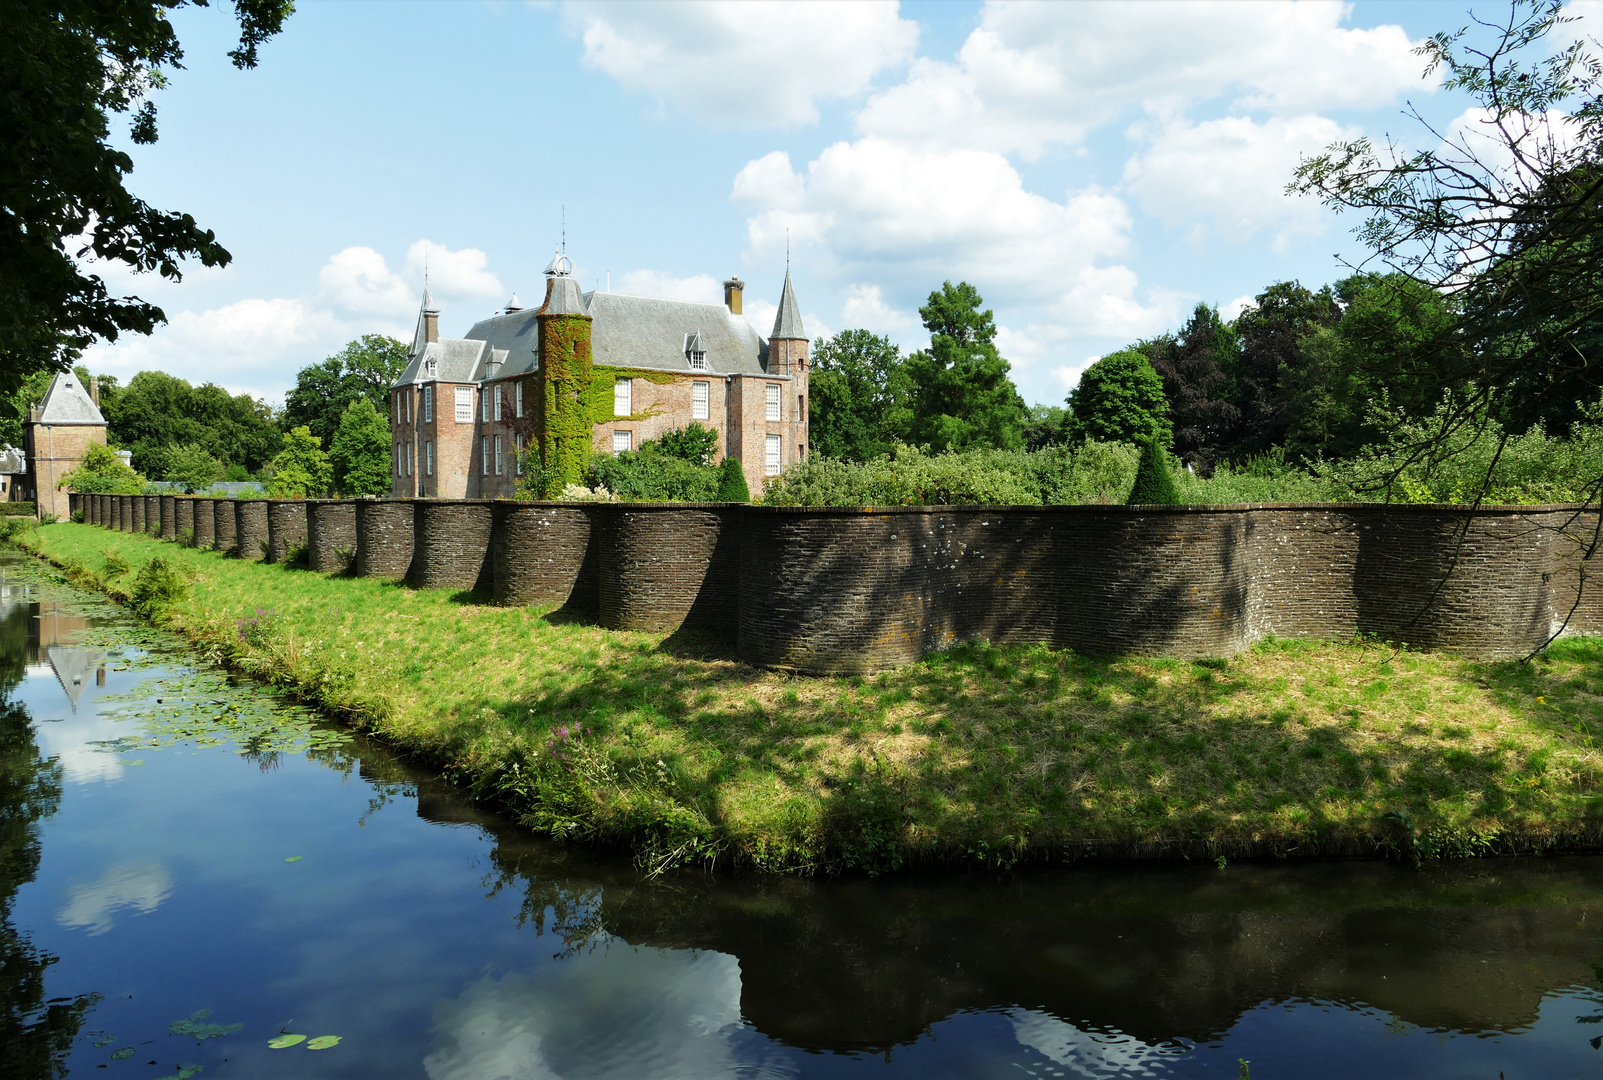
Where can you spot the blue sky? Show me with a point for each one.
(1094, 169)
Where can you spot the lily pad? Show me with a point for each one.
(323, 1042)
(185, 1072)
(295, 858)
(279, 1042)
(122, 1054)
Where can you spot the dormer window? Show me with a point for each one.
(695, 352)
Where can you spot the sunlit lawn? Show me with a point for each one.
(980, 752)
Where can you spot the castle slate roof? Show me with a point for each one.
(67, 402)
(637, 331)
(788, 320)
(447, 360)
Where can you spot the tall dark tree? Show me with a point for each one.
(66, 66)
(858, 405)
(1199, 369)
(962, 395)
(366, 368)
(156, 413)
(1271, 335)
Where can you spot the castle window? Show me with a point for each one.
(497, 414)
(622, 440)
(698, 361)
(623, 396)
(464, 404)
(484, 456)
(771, 460)
(517, 449)
(395, 408)
(397, 458)
(695, 352)
(484, 404)
(519, 398)
(773, 401)
(428, 404)
(428, 458)
(497, 441)
(698, 401)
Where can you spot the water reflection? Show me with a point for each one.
(91, 906)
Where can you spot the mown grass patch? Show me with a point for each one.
(668, 744)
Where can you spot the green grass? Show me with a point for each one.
(669, 745)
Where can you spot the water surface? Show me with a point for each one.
(189, 870)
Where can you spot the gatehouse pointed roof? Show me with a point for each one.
(788, 320)
(67, 402)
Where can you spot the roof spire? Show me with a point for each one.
(788, 320)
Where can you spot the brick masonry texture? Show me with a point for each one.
(848, 591)
(136, 517)
(225, 525)
(451, 546)
(384, 537)
(543, 554)
(330, 535)
(286, 527)
(205, 523)
(666, 565)
(184, 514)
(250, 529)
(153, 514)
(169, 516)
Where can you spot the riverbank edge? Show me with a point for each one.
(871, 850)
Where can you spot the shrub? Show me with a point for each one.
(650, 475)
(907, 477)
(116, 565)
(1154, 481)
(77, 516)
(732, 482)
(694, 443)
(157, 587)
(301, 470)
(102, 472)
(17, 509)
(12, 528)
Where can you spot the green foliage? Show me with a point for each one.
(17, 509)
(1449, 456)
(907, 476)
(157, 413)
(573, 395)
(695, 443)
(1154, 481)
(1044, 427)
(30, 390)
(960, 391)
(732, 485)
(68, 67)
(859, 396)
(360, 454)
(650, 475)
(301, 470)
(1091, 472)
(157, 587)
(102, 472)
(1120, 399)
(192, 468)
(362, 371)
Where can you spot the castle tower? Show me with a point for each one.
(562, 425)
(787, 355)
(59, 433)
(428, 323)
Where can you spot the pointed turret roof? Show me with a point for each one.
(562, 295)
(67, 402)
(788, 320)
(420, 337)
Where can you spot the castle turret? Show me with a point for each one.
(428, 323)
(562, 425)
(787, 345)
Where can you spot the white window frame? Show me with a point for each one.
(497, 442)
(428, 404)
(397, 459)
(772, 456)
(395, 409)
(623, 397)
(517, 451)
(775, 409)
(517, 395)
(484, 456)
(464, 404)
(496, 415)
(700, 398)
(484, 404)
(428, 458)
(622, 440)
(406, 459)
(698, 361)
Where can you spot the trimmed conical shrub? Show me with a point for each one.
(732, 482)
(1154, 483)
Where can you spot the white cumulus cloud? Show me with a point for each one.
(865, 308)
(745, 65)
(92, 906)
(698, 288)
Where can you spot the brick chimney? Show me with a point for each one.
(431, 326)
(732, 291)
(94, 390)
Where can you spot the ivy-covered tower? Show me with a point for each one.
(562, 425)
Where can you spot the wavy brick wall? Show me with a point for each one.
(250, 529)
(330, 535)
(153, 514)
(225, 526)
(204, 516)
(384, 537)
(134, 517)
(169, 516)
(666, 565)
(184, 515)
(286, 527)
(451, 544)
(543, 553)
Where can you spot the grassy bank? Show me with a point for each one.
(671, 746)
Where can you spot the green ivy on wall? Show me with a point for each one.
(577, 395)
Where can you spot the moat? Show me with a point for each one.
(190, 872)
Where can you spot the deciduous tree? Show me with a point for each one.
(366, 368)
(360, 453)
(1120, 399)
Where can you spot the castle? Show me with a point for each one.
(594, 371)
